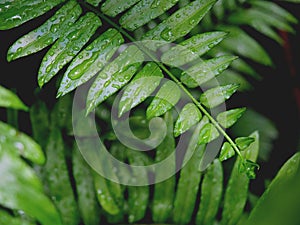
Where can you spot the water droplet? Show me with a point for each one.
(106, 83)
(167, 34)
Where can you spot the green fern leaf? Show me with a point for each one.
(143, 84)
(47, 33)
(228, 118)
(114, 7)
(188, 117)
(192, 48)
(205, 71)
(181, 22)
(211, 193)
(226, 151)
(11, 100)
(126, 63)
(67, 46)
(151, 9)
(216, 96)
(90, 61)
(208, 133)
(15, 13)
(190, 176)
(166, 98)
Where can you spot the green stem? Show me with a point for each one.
(145, 50)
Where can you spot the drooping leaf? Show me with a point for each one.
(67, 46)
(244, 142)
(10, 100)
(21, 144)
(114, 7)
(164, 192)
(205, 71)
(211, 193)
(189, 179)
(19, 184)
(57, 179)
(15, 13)
(216, 96)
(236, 193)
(188, 117)
(87, 202)
(122, 68)
(151, 9)
(143, 84)
(280, 201)
(138, 196)
(252, 15)
(268, 6)
(228, 118)
(104, 195)
(226, 152)
(47, 33)
(181, 22)
(166, 98)
(208, 133)
(90, 61)
(240, 43)
(192, 48)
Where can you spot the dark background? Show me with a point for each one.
(274, 96)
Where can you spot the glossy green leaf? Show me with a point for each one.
(226, 152)
(6, 218)
(119, 71)
(114, 7)
(260, 21)
(236, 193)
(243, 67)
(240, 43)
(208, 133)
(67, 46)
(47, 33)
(281, 197)
(164, 192)
(21, 144)
(268, 6)
(243, 142)
(206, 70)
(211, 193)
(188, 117)
(15, 13)
(94, 2)
(228, 118)
(151, 9)
(19, 184)
(166, 98)
(87, 202)
(104, 195)
(192, 48)
(143, 84)
(90, 61)
(231, 77)
(181, 22)
(10, 100)
(189, 179)
(39, 118)
(57, 178)
(252, 15)
(138, 196)
(218, 95)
